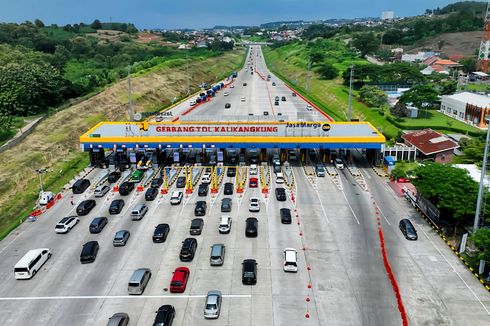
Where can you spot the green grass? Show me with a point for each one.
(482, 87)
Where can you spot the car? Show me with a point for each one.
(151, 194)
(408, 229)
(196, 226)
(242, 99)
(161, 232)
(228, 189)
(253, 182)
(254, 204)
(217, 257)
(98, 224)
(285, 214)
(119, 319)
(283, 98)
(101, 190)
(227, 105)
(251, 227)
(206, 178)
(226, 204)
(226, 93)
(180, 182)
(192, 102)
(212, 307)
(116, 206)
(121, 238)
(126, 188)
(290, 260)
(280, 194)
(176, 197)
(293, 94)
(231, 172)
(244, 84)
(273, 83)
(309, 107)
(139, 211)
(188, 249)
(156, 183)
(249, 272)
(253, 169)
(89, 252)
(250, 114)
(292, 155)
(279, 178)
(165, 315)
(225, 224)
(203, 189)
(200, 208)
(276, 102)
(232, 86)
(179, 280)
(276, 98)
(113, 176)
(80, 186)
(276, 168)
(339, 164)
(66, 224)
(85, 207)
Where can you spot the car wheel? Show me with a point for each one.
(49, 255)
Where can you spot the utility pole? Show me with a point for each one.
(479, 201)
(40, 173)
(349, 106)
(308, 76)
(129, 95)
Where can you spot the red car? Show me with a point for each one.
(253, 183)
(179, 280)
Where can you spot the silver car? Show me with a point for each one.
(213, 305)
(119, 319)
(120, 238)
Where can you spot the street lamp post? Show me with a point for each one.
(40, 173)
(479, 201)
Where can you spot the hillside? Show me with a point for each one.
(462, 43)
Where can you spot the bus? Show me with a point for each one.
(31, 263)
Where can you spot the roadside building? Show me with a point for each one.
(431, 145)
(467, 107)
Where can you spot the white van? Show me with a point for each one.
(46, 197)
(253, 169)
(338, 163)
(290, 260)
(31, 263)
(279, 177)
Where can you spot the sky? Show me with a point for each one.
(201, 13)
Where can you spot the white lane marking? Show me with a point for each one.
(454, 269)
(383, 214)
(106, 297)
(350, 207)
(321, 204)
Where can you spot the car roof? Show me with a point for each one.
(176, 193)
(138, 274)
(225, 218)
(121, 232)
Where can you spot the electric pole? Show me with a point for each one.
(307, 87)
(129, 95)
(349, 107)
(479, 201)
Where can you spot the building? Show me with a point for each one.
(419, 57)
(467, 107)
(388, 15)
(431, 145)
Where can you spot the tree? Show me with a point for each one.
(316, 57)
(399, 110)
(472, 149)
(366, 43)
(469, 64)
(420, 96)
(327, 71)
(38, 23)
(481, 239)
(450, 189)
(373, 96)
(96, 24)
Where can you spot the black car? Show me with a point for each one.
(80, 186)
(180, 182)
(197, 225)
(165, 316)
(126, 188)
(244, 84)
(228, 188)
(276, 102)
(200, 209)
(203, 190)
(85, 207)
(226, 205)
(89, 252)
(285, 215)
(98, 224)
(113, 176)
(293, 94)
(227, 105)
(283, 98)
(249, 272)
(161, 232)
(151, 194)
(407, 229)
(188, 249)
(156, 183)
(231, 172)
(280, 194)
(251, 227)
(116, 206)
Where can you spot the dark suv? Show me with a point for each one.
(196, 226)
(98, 224)
(151, 194)
(161, 232)
(156, 183)
(180, 182)
(165, 316)
(116, 206)
(203, 190)
(188, 249)
(249, 272)
(89, 252)
(231, 172)
(280, 194)
(407, 229)
(113, 176)
(285, 215)
(85, 207)
(251, 227)
(228, 188)
(126, 188)
(200, 209)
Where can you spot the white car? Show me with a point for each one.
(66, 224)
(226, 93)
(338, 163)
(176, 197)
(232, 86)
(253, 169)
(192, 103)
(254, 205)
(206, 178)
(243, 99)
(309, 107)
(213, 305)
(290, 260)
(224, 224)
(279, 178)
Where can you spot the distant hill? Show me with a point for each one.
(462, 43)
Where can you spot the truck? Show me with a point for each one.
(234, 74)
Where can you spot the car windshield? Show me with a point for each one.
(210, 306)
(176, 283)
(248, 274)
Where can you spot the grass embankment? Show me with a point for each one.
(289, 63)
(54, 144)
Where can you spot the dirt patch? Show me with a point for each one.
(464, 43)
